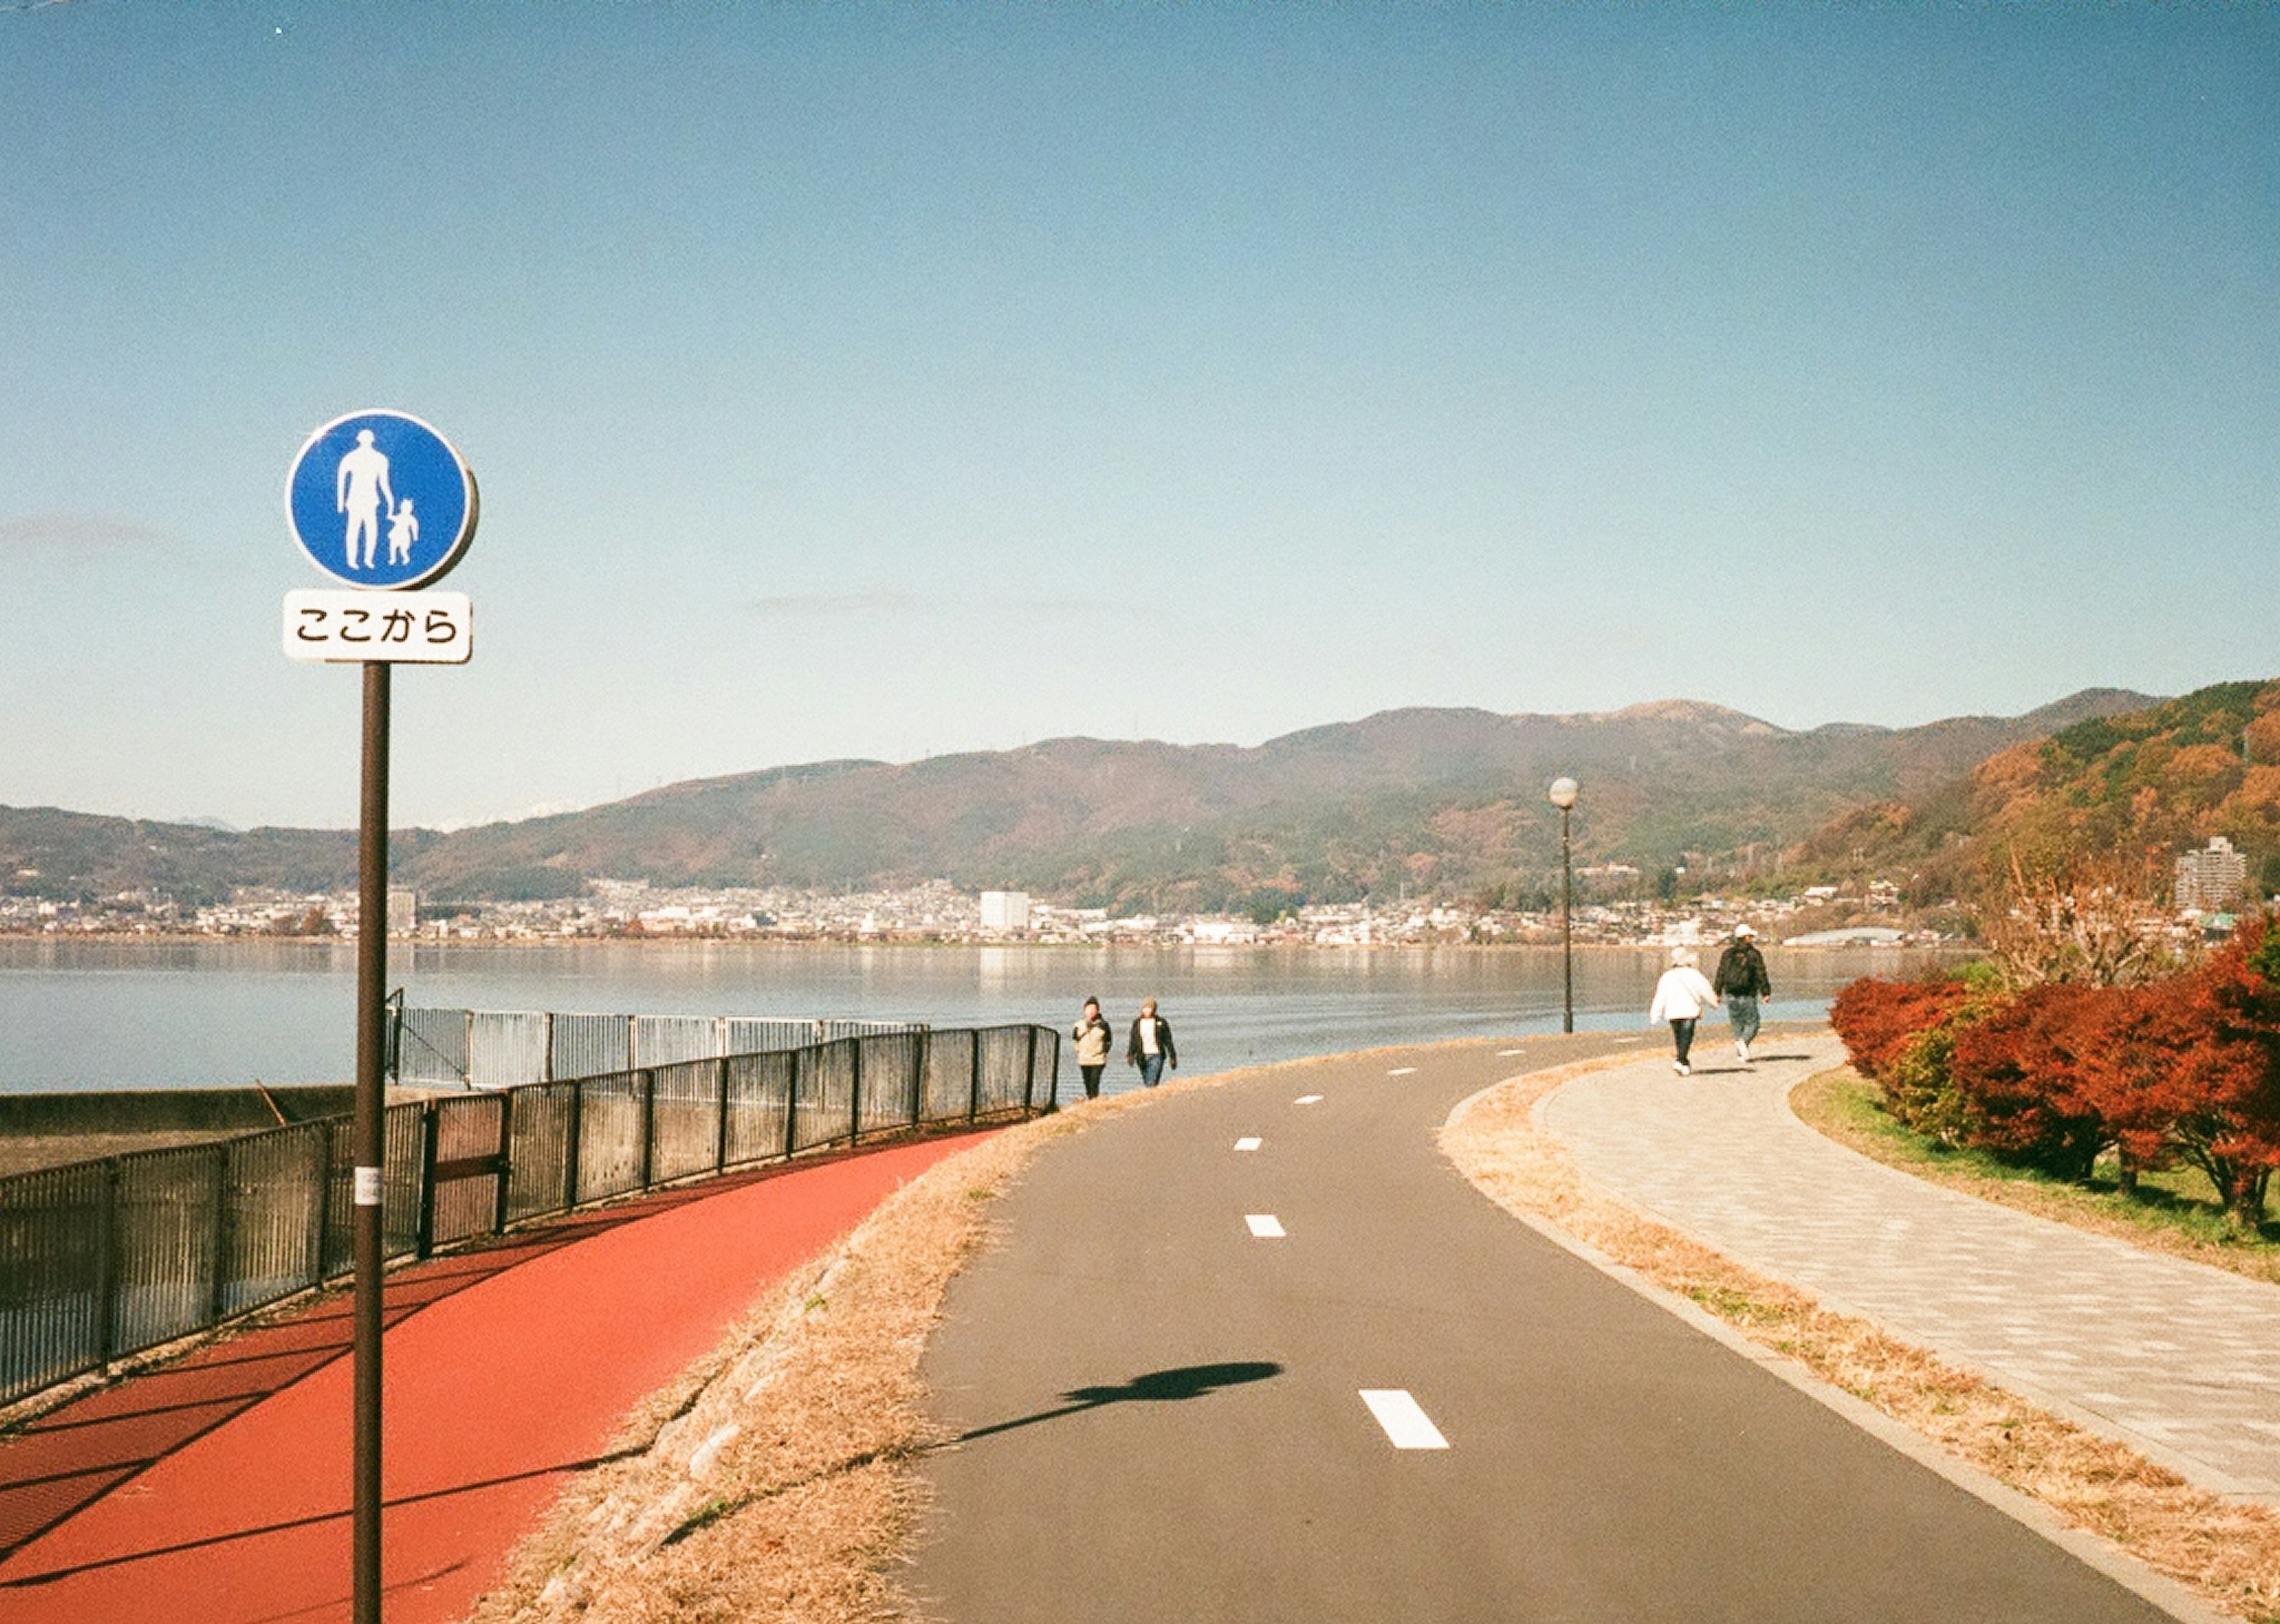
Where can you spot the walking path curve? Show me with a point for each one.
(2170, 1356)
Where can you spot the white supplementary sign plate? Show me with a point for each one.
(426, 628)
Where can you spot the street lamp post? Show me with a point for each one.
(1563, 794)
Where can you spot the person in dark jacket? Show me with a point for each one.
(1742, 980)
(1150, 1045)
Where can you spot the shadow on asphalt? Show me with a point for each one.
(1157, 1387)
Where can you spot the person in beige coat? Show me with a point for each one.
(1093, 1041)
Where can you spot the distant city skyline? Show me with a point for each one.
(872, 382)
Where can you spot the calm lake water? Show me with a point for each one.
(93, 1015)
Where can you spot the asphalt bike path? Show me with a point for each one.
(217, 1490)
(1159, 1374)
(2170, 1356)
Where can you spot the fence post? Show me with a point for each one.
(917, 1078)
(1029, 1074)
(106, 1265)
(546, 1061)
(324, 1195)
(395, 1067)
(467, 1052)
(855, 1096)
(221, 1235)
(648, 1126)
(424, 1241)
(570, 1150)
(720, 1134)
(633, 1041)
(791, 1106)
(505, 1150)
(974, 1099)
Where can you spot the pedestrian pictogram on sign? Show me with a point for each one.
(380, 499)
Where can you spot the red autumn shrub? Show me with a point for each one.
(1877, 1019)
(2186, 1066)
(2029, 1074)
(2200, 1064)
(2125, 1075)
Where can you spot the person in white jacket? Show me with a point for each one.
(1680, 998)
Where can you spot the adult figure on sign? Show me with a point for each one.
(359, 490)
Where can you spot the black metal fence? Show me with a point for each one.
(100, 1260)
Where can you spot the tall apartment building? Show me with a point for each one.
(1005, 910)
(402, 911)
(2211, 880)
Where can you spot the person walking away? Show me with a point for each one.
(1150, 1046)
(1093, 1039)
(1741, 979)
(1680, 998)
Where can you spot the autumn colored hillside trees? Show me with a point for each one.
(2186, 1067)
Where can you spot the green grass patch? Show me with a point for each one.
(2173, 1209)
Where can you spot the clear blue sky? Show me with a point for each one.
(887, 380)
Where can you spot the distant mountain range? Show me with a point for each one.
(1446, 801)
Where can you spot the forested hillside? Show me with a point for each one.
(2143, 783)
(1438, 801)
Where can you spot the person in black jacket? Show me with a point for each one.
(1742, 980)
(1150, 1045)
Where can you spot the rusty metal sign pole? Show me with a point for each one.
(370, 1135)
(354, 476)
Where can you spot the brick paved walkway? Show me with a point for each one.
(2172, 1357)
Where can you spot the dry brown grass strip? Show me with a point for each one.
(2227, 1552)
(775, 1478)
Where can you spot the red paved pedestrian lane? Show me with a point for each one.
(216, 1492)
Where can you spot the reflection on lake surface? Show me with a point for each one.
(78, 1015)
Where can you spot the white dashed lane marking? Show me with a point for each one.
(1264, 1226)
(1405, 1423)
(1506, 1054)
(1307, 1099)
(1401, 1070)
(1248, 1143)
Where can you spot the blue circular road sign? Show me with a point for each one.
(380, 499)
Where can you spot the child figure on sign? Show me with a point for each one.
(403, 530)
